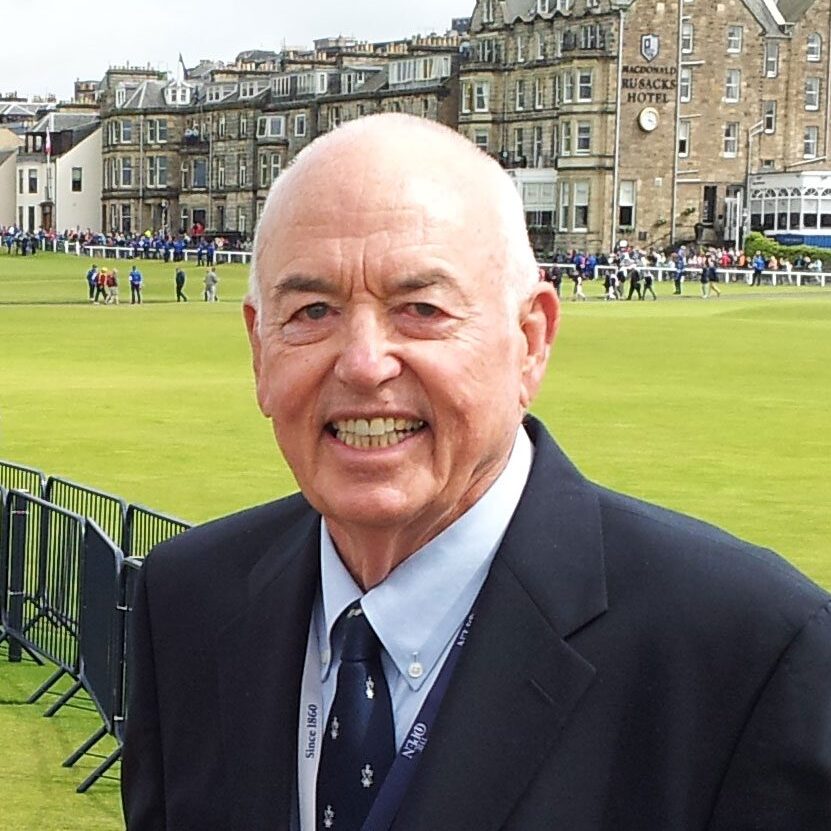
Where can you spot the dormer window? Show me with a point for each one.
(120, 96)
(177, 94)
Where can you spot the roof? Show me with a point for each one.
(58, 122)
(793, 10)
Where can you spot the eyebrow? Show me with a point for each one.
(301, 283)
(415, 282)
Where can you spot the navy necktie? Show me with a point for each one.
(359, 743)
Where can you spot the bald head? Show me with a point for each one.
(411, 160)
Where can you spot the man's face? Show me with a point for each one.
(390, 355)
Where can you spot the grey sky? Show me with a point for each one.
(46, 47)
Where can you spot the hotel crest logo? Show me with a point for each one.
(650, 46)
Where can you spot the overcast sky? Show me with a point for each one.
(49, 45)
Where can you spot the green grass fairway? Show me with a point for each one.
(721, 409)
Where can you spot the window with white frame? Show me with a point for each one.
(538, 94)
(156, 130)
(242, 172)
(568, 87)
(126, 176)
(730, 144)
(120, 96)
(519, 97)
(812, 88)
(581, 205)
(220, 125)
(488, 49)
(563, 5)
(519, 144)
(467, 96)
(199, 173)
(126, 131)
(735, 35)
(537, 150)
(584, 85)
(539, 46)
(687, 36)
(243, 125)
(814, 48)
(683, 138)
(281, 85)
(771, 58)
(543, 6)
(156, 171)
(220, 172)
(584, 138)
(558, 89)
(626, 204)
(565, 138)
(335, 114)
(480, 139)
(300, 124)
(481, 96)
(487, 11)
(732, 86)
(269, 168)
(591, 36)
(563, 209)
(769, 116)
(685, 84)
(271, 126)
(520, 49)
(810, 141)
(184, 176)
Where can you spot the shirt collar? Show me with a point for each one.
(421, 604)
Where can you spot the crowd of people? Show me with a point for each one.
(638, 268)
(102, 285)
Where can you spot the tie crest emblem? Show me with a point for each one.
(328, 817)
(367, 774)
(370, 687)
(335, 728)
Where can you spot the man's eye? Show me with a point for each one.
(424, 309)
(315, 311)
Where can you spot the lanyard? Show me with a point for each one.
(311, 728)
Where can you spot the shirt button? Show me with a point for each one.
(415, 670)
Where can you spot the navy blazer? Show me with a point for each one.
(630, 669)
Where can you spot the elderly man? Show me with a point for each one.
(449, 628)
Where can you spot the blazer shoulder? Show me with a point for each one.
(244, 535)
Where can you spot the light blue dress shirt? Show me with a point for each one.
(419, 607)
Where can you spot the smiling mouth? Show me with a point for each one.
(366, 433)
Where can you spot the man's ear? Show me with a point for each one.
(251, 317)
(540, 318)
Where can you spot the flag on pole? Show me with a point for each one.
(48, 144)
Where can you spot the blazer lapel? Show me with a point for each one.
(260, 658)
(518, 681)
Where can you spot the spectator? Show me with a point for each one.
(180, 286)
(136, 285)
(211, 281)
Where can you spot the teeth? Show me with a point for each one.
(375, 432)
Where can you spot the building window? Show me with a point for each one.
(732, 86)
(77, 174)
(565, 138)
(558, 90)
(33, 180)
(687, 35)
(563, 210)
(467, 96)
(156, 171)
(584, 138)
(220, 126)
(243, 125)
(685, 84)
(584, 85)
(626, 204)
(810, 140)
(814, 51)
(126, 129)
(269, 168)
(769, 116)
(543, 6)
(126, 173)
(731, 139)
(242, 173)
(591, 37)
(200, 173)
(156, 130)
(683, 138)
(771, 59)
(520, 95)
(300, 125)
(480, 139)
(184, 175)
(220, 173)
(812, 87)
(538, 94)
(487, 11)
(538, 146)
(734, 39)
(20, 177)
(519, 145)
(271, 126)
(488, 50)
(568, 88)
(520, 49)
(539, 43)
(481, 96)
(120, 96)
(581, 206)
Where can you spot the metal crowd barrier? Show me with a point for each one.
(144, 528)
(44, 544)
(109, 512)
(777, 277)
(18, 477)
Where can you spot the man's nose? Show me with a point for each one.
(366, 359)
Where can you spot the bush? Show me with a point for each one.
(769, 247)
